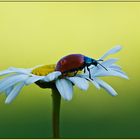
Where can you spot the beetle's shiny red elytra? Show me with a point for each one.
(70, 63)
(76, 62)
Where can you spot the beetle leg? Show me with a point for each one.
(84, 70)
(100, 60)
(89, 73)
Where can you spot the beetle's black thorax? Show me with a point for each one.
(89, 61)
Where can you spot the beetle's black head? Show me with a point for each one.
(90, 61)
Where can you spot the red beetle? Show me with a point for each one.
(75, 62)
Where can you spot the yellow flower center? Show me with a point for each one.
(44, 70)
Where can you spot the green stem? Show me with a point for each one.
(56, 100)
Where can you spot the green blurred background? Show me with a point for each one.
(41, 33)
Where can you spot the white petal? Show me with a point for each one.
(2, 81)
(117, 74)
(79, 82)
(107, 87)
(11, 80)
(94, 70)
(52, 76)
(14, 93)
(117, 69)
(109, 62)
(33, 79)
(20, 70)
(65, 88)
(94, 83)
(112, 51)
(86, 76)
(4, 72)
(114, 66)
(122, 73)
(8, 90)
(109, 72)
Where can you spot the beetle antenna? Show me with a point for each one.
(103, 67)
(100, 60)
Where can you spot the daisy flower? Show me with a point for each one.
(14, 79)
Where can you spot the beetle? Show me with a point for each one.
(75, 62)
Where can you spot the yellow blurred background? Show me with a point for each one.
(41, 33)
